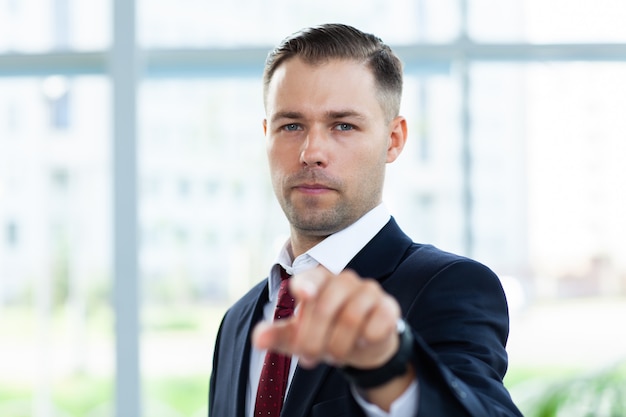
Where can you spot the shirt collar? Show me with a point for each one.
(334, 252)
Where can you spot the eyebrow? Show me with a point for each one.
(341, 114)
(286, 115)
(331, 115)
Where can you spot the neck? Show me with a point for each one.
(301, 243)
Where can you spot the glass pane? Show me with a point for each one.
(208, 225)
(548, 191)
(498, 167)
(576, 175)
(204, 185)
(547, 147)
(423, 188)
(44, 25)
(496, 20)
(245, 22)
(576, 21)
(538, 21)
(436, 20)
(55, 315)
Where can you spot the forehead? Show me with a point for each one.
(327, 86)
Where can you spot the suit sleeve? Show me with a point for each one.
(460, 321)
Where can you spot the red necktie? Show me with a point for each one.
(275, 373)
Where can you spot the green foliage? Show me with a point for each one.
(60, 272)
(75, 396)
(78, 395)
(186, 395)
(82, 395)
(13, 391)
(602, 394)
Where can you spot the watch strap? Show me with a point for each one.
(396, 366)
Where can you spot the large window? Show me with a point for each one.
(150, 176)
(55, 314)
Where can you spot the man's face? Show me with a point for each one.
(327, 142)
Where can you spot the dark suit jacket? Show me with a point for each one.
(458, 313)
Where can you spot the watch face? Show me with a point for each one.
(400, 326)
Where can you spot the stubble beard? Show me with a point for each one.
(319, 217)
(317, 221)
(312, 217)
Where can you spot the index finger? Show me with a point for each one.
(275, 336)
(306, 285)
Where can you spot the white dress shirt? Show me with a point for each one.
(333, 253)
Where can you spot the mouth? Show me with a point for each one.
(312, 189)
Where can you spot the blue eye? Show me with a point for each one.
(291, 127)
(344, 126)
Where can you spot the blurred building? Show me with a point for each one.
(516, 164)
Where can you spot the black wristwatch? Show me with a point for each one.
(396, 366)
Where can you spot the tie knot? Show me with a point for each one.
(283, 274)
(285, 303)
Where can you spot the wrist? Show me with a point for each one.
(396, 366)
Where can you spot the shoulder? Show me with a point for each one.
(425, 269)
(432, 261)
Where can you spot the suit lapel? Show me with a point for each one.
(381, 256)
(303, 389)
(249, 315)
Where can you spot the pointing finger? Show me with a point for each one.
(306, 285)
(274, 336)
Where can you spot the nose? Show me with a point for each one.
(315, 149)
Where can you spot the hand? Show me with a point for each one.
(340, 320)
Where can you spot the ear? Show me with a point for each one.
(397, 138)
(264, 127)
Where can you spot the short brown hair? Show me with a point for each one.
(322, 43)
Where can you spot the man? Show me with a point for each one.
(383, 326)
